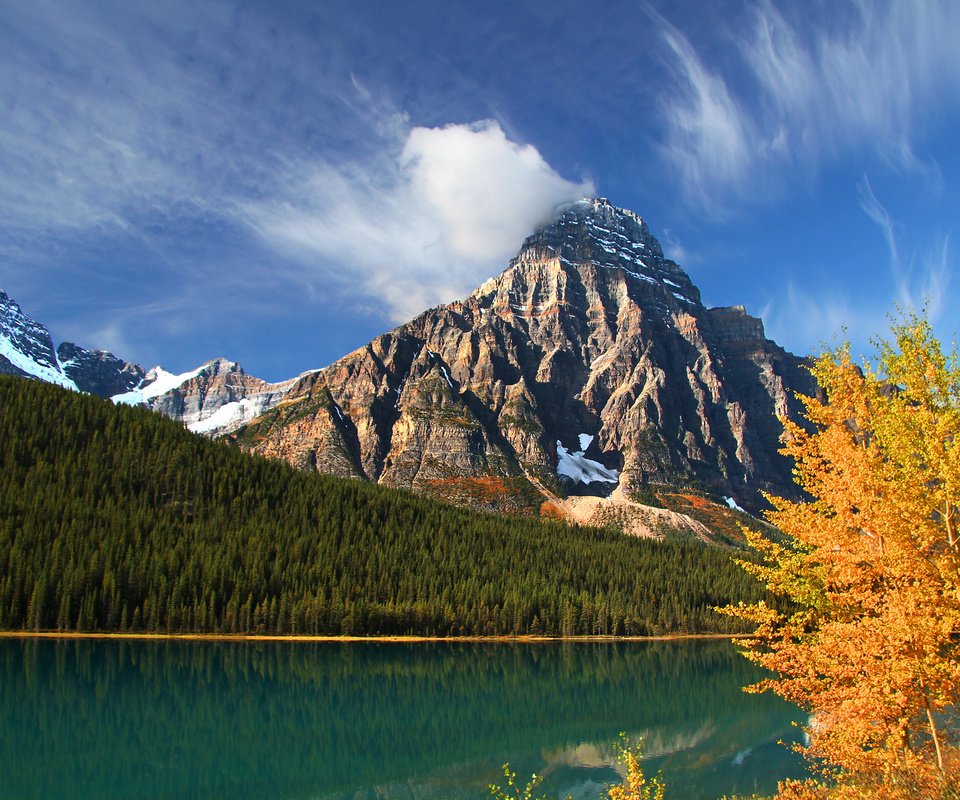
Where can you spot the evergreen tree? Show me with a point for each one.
(117, 519)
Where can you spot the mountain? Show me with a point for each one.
(213, 399)
(586, 380)
(26, 348)
(97, 371)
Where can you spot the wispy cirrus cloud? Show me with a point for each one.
(921, 281)
(818, 313)
(114, 113)
(708, 134)
(803, 89)
(127, 123)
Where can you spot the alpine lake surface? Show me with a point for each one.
(158, 720)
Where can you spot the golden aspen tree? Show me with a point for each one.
(871, 560)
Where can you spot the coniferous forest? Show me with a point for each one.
(117, 519)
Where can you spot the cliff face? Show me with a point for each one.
(589, 364)
(97, 371)
(26, 349)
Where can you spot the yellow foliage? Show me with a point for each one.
(635, 785)
(872, 562)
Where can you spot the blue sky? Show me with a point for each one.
(280, 182)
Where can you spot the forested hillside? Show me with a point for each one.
(114, 518)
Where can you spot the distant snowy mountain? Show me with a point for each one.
(215, 398)
(26, 348)
(212, 399)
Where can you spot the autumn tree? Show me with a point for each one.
(871, 559)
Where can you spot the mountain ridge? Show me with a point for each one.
(213, 398)
(578, 382)
(591, 332)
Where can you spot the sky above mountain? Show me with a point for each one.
(280, 182)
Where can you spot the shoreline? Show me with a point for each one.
(296, 638)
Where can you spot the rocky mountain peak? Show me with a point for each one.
(590, 335)
(601, 220)
(601, 244)
(213, 399)
(26, 348)
(734, 324)
(26, 334)
(97, 371)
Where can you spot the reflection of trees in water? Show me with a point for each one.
(237, 720)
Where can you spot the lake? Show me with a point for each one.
(157, 720)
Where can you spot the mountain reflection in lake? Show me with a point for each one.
(279, 720)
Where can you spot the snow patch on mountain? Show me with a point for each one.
(232, 415)
(579, 468)
(229, 415)
(157, 382)
(731, 503)
(40, 371)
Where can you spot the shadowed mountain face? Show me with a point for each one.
(590, 364)
(26, 350)
(97, 371)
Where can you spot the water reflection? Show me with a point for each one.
(121, 719)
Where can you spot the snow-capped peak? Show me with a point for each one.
(27, 346)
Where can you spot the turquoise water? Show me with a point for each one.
(164, 720)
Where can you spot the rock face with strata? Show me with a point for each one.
(591, 353)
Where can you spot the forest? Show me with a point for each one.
(117, 519)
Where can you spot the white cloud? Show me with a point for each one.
(488, 192)
(151, 140)
(421, 223)
(862, 76)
